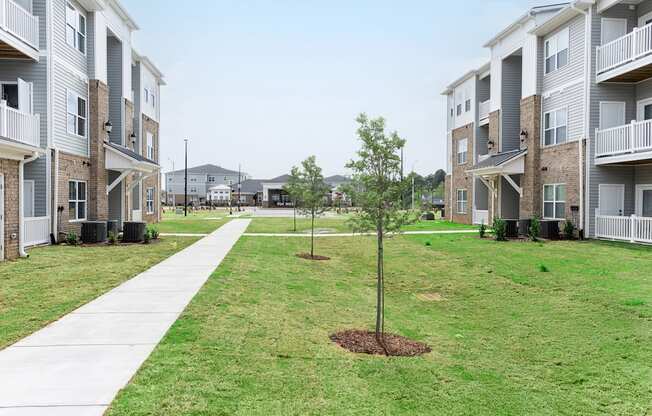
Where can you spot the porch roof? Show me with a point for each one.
(505, 162)
(121, 158)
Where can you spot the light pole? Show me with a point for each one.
(185, 187)
(171, 191)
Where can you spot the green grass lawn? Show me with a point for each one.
(508, 338)
(326, 225)
(198, 222)
(56, 280)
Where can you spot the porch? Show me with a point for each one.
(633, 229)
(19, 30)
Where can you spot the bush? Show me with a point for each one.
(113, 240)
(428, 243)
(72, 239)
(482, 230)
(153, 232)
(535, 229)
(500, 229)
(543, 268)
(148, 236)
(569, 230)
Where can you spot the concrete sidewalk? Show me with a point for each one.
(307, 234)
(77, 365)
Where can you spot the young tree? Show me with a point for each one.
(377, 188)
(294, 189)
(308, 186)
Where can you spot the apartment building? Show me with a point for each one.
(563, 131)
(75, 134)
(200, 180)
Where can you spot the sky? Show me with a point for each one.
(265, 84)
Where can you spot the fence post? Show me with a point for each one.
(632, 221)
(634, 38)
(3, 118)
(632, 135)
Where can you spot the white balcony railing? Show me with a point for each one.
(480, 217)
(633, 229)
(635, 137)
(18, 21)
(483, 109)
(37, 231)
(628, 48)
(18, 126)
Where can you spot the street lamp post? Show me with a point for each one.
(171, 190)
(185, 187)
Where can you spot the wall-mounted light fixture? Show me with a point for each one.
(108, 127)
(524, 136)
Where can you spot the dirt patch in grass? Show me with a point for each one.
(307, 256)
(364, 342)
(430, 297)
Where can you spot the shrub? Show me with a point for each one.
(569, 230)
(500, 229)
(72, 239)
(148, 236)
(428, 243)
(482, 230)
(113, 239)
(535, 229)
(543, 268)
(153, 232)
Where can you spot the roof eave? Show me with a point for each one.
(563, 16)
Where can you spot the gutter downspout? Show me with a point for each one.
(21, 214)
(55, 198)
(587, 106)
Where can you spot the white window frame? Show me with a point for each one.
(78, 200)
(462, 156)
(149, 200)
(79, 16)
(467, 105)
(462, 205)
(458, 110)
(78, 97)
(554, 201)
(551, 50)
(554, 127)
(149, 137)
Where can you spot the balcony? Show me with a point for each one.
(632, 229)
(19, 32)
(630, 143)
(626, 59)
(19, 127)
(483, 112)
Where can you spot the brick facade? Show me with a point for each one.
(78, 168)
(98, 201)
(460, 178)
(448, 199)
(152, 127)
(9, 169)
(530, 204)
(494, 132)
(560, 165)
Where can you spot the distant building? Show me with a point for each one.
(200, 180)
(219, 195)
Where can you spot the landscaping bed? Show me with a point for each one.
(507, 338)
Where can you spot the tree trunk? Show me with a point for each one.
(312, 236)
(295, 216)
(380, 292)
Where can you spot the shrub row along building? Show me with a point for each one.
(559, 123)
(79, 121)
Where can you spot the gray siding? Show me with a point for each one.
(39, 8)
(114, 78)
(90, 58)
(481, 197)
(575, 68)
(136, 88)
(37, 172)
(481, 138)
(643, 175)
(509, 199)
(61, 49)
(571, 98)
(512, 81)
(644, 90)
(66, 81)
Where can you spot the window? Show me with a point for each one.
(76, 114)
(153, 101)
(556, 50)
(146, 95)
(76, 201)
(467, 106)
(75, 29)
(462, 150)
(211, 179)
(150, 146)
(193, 190)
(554, 201)
(459, 109)
(452, 112)
(555, 127)
(461, 201)
(149, 200)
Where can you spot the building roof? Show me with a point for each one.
(207, 169)
(475, 72)
(130, 153)
(149, 64)
(279, 179)
(251, 186)
(336, 179)
(498, 159)
(523, 19)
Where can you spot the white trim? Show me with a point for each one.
(465, 201)
(466, 152)
(561, 88)
(554, 201)
(77, 32)
(513, 184)
(640, 108)
(151, 188)
(642, 19)
(86, 117)
(70, 68)
(33, 182)
(2, 217)
(77, 200)
(554, 39)
(639, 197)
(556, 126)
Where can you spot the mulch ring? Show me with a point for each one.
(307, 256)
(364, 342)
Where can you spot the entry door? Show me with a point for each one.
(136, 206)
(28, 199)
(612, 200)
(25, 96)
(613, 29)
(2, 217)
(644, 200)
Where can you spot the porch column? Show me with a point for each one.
(98, 200)
(531, 202)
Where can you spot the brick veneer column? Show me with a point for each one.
(98, 200)
(531, 203)
(9, 169)
(151, 126)
(461, 178)
(494, 132)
